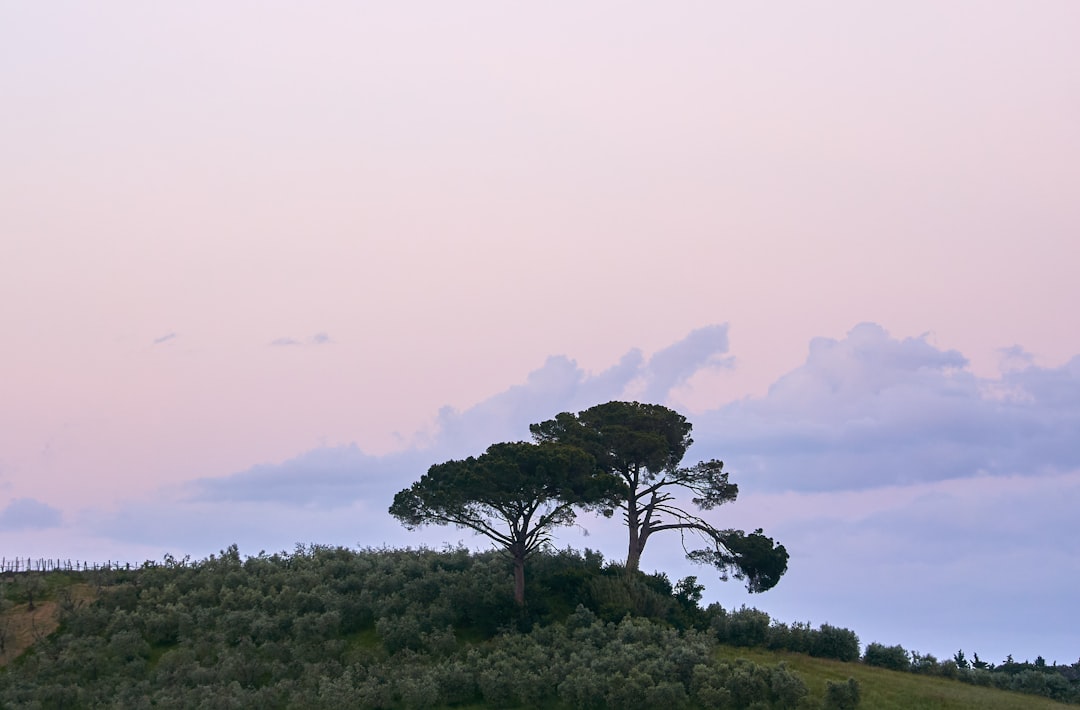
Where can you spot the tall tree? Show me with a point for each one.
(514, 493)
(643, 445)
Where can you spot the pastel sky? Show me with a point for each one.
(263, 263)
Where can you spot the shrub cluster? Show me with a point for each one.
(751, 627)
(1061, 683)
(330, 627)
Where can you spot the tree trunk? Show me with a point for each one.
(633, 553)
(519, 580)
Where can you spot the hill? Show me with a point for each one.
(331, 628)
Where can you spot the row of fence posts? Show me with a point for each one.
(45, 564)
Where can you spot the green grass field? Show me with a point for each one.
(893, 690)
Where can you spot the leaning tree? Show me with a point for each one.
(643, 445)
(514, 494)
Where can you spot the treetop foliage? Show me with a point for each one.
(513, 493)
(624, 437)
(642, 446)
(511, 482)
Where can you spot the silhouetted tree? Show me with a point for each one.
(643, 445)
(514, 494)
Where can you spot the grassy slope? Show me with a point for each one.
(22, 626)
(892, 690)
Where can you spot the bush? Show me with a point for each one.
(745, 627)
(786, 688)
(797, 638)
(842, 696)
(834, 642)
(891, 657)
(926, 664)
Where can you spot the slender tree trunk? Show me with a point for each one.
(633, 553)
(519, 580)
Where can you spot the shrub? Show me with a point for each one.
(456, 683)
(842, 696)
(926, 664)
(745, 627)
(891, 657)
(834, 642)
(707, 687)
(399, 633)
(786, 688)
(796, 638)
(419, 692)
(747, 683)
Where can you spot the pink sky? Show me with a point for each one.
(230, 235)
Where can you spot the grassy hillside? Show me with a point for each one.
(332, 628)
(883, 689)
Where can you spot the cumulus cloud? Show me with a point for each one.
(560, 385)
(1014, 357)
(675, 364)
(279, 342)
(164, 339)
(338, 476)
(29, 514)
(320, 339)
(871, 410)
(328, 477)
(864, 411)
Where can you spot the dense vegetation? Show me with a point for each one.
(331, 628)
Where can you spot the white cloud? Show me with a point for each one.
(703, 348)
(863, 412)
(328, 477)
(871, 410)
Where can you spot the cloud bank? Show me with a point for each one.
(871, 410)
(866, 411)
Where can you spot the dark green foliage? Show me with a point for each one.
(842, 696)
(745, 627)
(926, 664)
(642, 447)
(688, 591)
(835, 642)
(332, 628)
(755, 558)
(798, 637)
(636, 663)
(891, 657)
(515, 494)
(751, 627)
